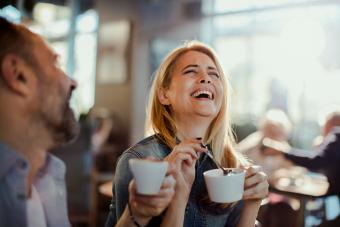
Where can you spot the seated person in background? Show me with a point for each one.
(35, 117)
(327, 156)
(101, 118)
(326, 159)
(188, 107)
(274, 125)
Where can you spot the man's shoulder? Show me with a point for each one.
(9, 158)
(55, 166)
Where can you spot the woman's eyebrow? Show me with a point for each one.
(212, 68)
(188, 66)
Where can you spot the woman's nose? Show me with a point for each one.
(204, 80)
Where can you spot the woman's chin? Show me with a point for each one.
(207, 114)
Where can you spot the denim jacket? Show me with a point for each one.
(49, 184)
(196, 214)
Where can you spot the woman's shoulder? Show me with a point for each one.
(149, 146)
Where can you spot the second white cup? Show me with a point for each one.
(225, 188)
(148, 175)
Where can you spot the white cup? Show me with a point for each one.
(148, 175)
(225, 188)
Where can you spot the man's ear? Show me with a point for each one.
(14, 73)
(162, 96)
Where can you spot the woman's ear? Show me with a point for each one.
(14, 74)
(162, 96)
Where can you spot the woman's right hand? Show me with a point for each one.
(183, 157)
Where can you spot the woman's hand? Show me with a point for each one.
(183, 157)
(256, 184)
(255, 189)
(144, 207)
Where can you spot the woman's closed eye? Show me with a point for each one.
(190, 71)
(214, 74)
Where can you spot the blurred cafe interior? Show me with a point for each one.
(281, 55)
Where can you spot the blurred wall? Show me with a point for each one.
(150, 19)
(116, 97)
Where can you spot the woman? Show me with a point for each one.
(188, 107)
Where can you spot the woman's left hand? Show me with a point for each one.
(256, 184)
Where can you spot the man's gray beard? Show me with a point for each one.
(62, 128)
(63, 131)
(67, 129)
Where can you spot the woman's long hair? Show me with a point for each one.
(161, 122)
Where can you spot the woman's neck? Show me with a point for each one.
(192, 128)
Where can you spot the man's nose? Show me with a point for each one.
(74, 84)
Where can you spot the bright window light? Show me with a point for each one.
(11, 13)
(285, 58)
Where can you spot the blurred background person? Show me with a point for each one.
(276, 125)
(324, 159)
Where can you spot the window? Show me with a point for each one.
(76, 45)
(280, 54)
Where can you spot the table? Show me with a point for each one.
(106, 189)
(299, 183)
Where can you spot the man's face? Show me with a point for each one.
(54, 90)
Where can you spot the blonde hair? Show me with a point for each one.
(160, 121)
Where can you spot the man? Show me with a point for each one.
(34, 117)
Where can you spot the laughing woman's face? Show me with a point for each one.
(196, 88)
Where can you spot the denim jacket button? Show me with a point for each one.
(187, 209)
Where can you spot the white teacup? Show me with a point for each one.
(148, 175)
(225, 188)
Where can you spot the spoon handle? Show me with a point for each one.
(210, 155)
(225, 171)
